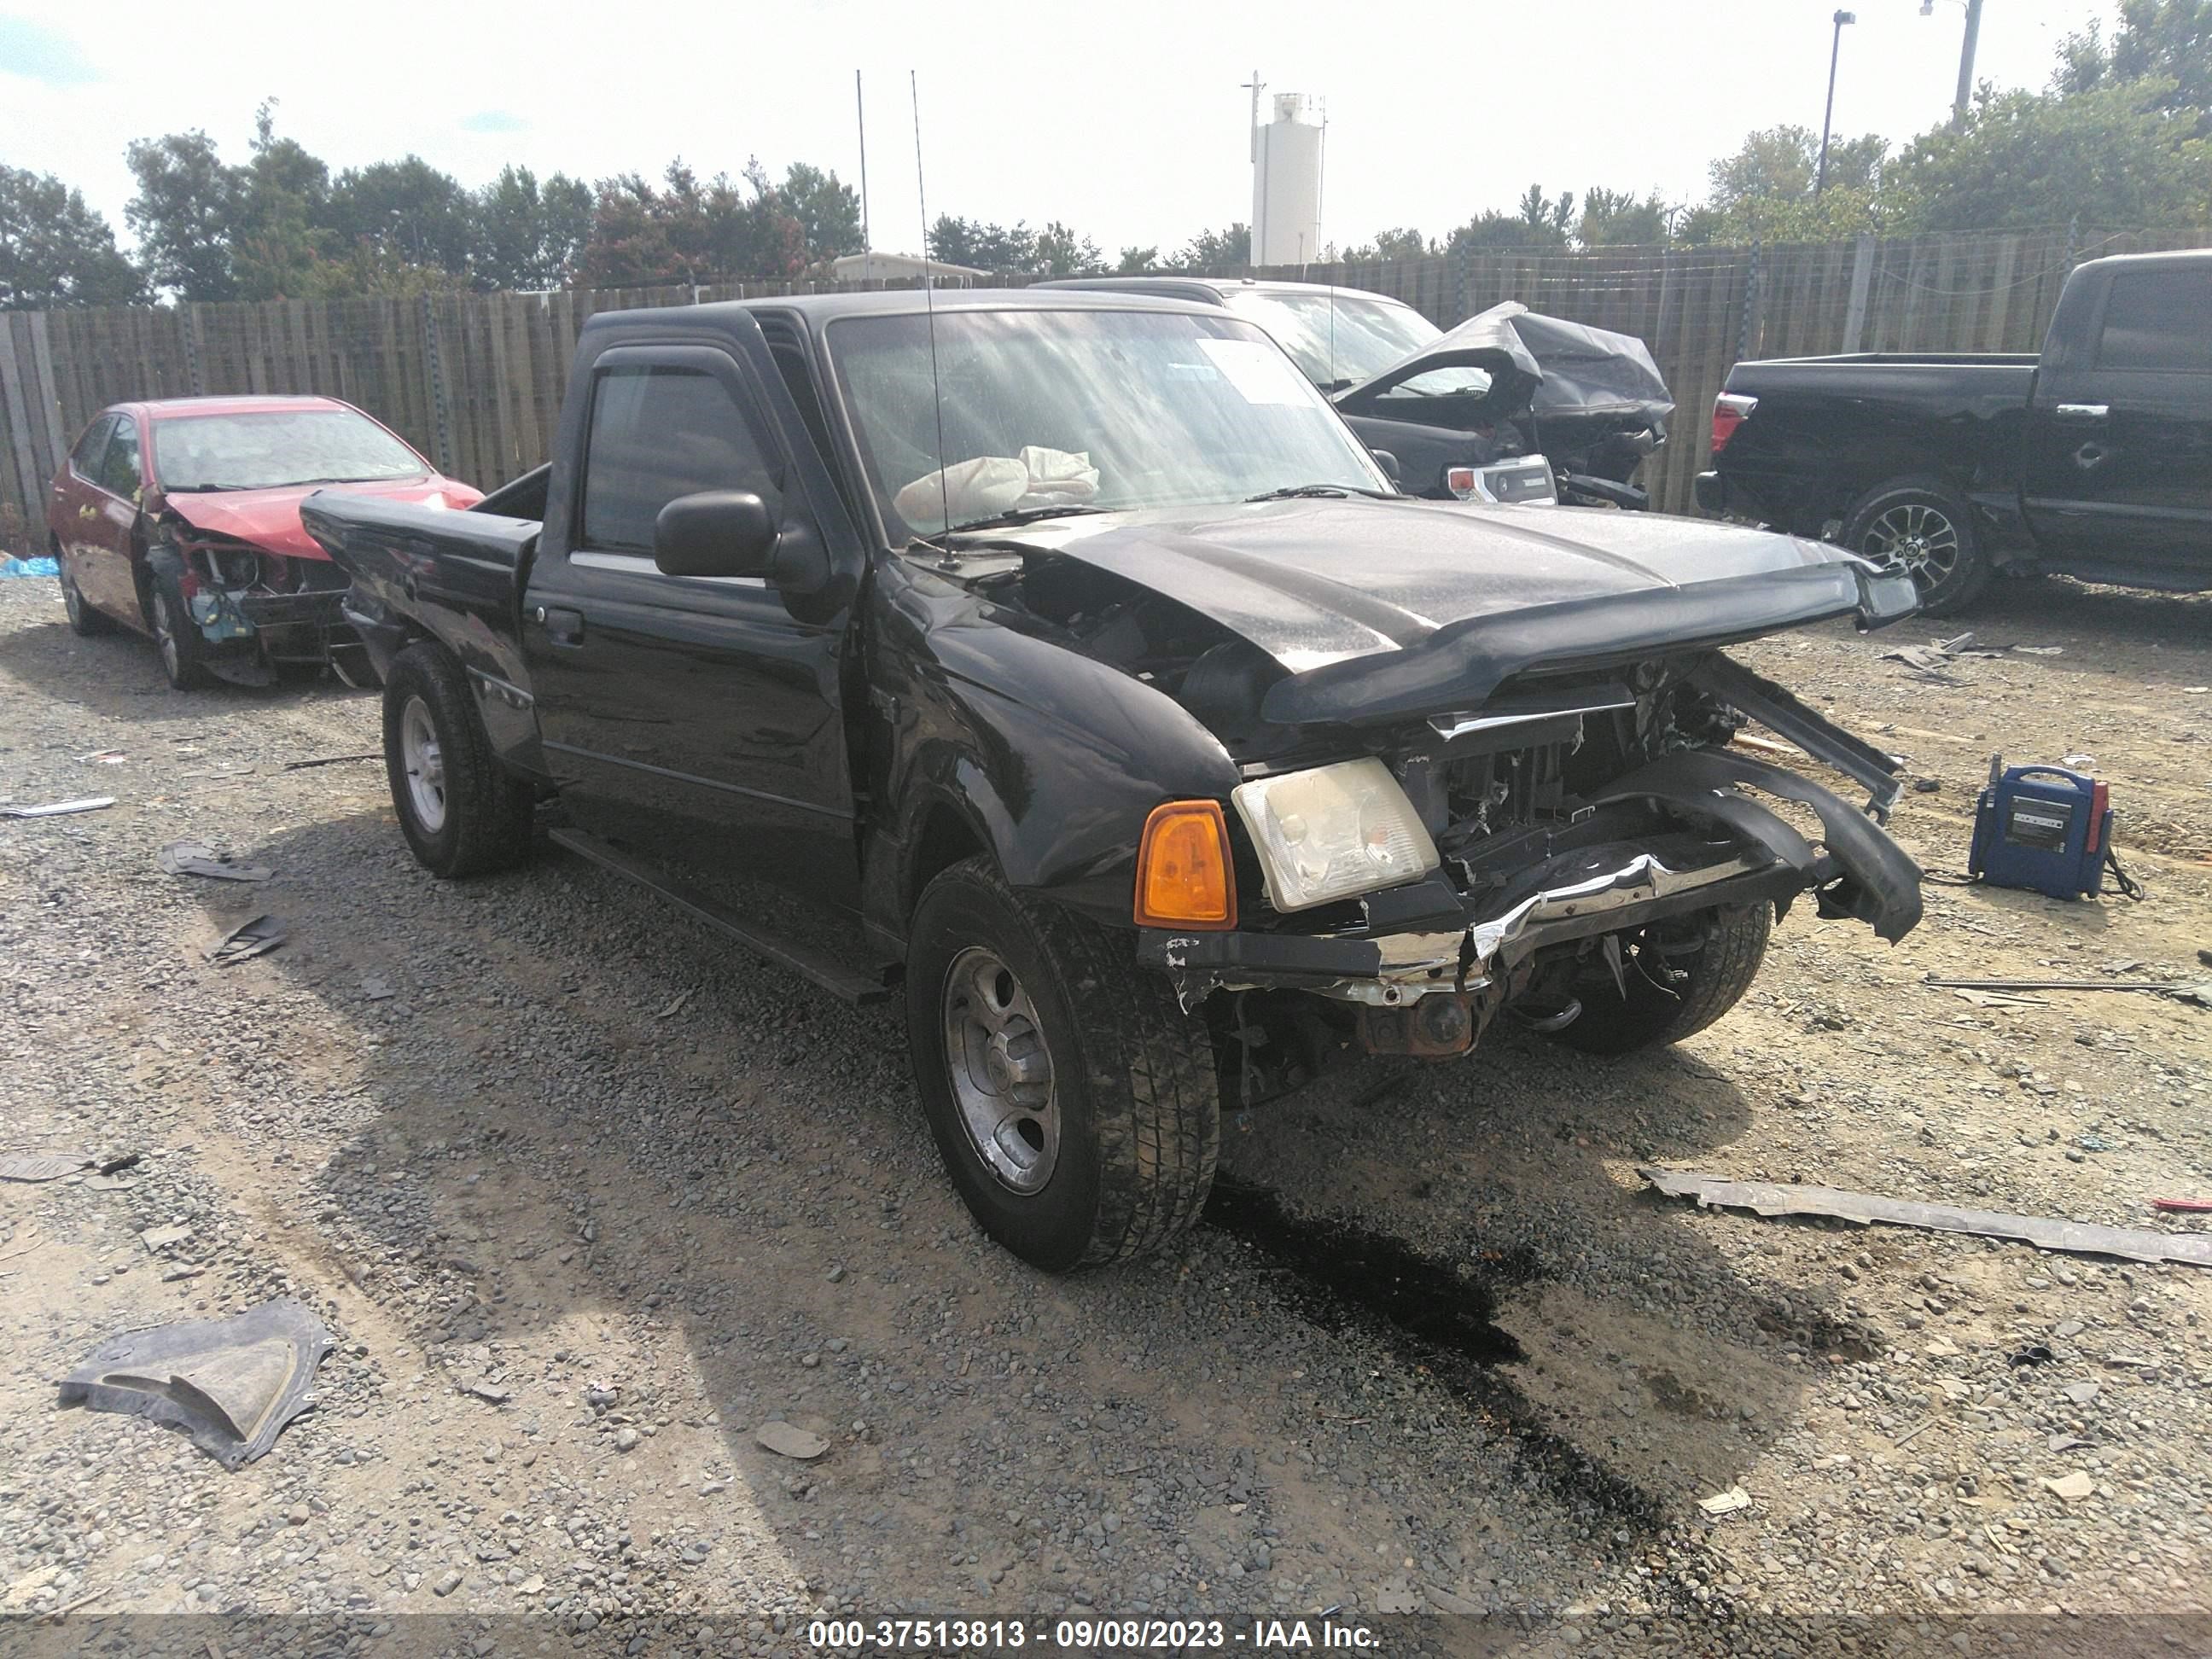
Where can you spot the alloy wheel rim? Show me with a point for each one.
(1001, 1071)
(165, 634)
(424, 763)
(1917, 538)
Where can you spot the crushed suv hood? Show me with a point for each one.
(1381, 608)
(270, 518)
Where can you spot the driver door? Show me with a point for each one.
(694, 718)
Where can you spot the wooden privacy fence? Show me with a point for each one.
(475, 380)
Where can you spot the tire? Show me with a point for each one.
(1115, 1157)
(1921, 525)
(175, 636)
(83, 619)
(462, 813)
(1673, 992)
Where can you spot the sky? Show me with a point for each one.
(1128, 122)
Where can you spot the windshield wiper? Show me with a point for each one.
(203, 489)
(1291, 491)
(1023, 515)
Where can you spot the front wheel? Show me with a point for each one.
(176, 635)
(1074, 1104)
(462, 813)
(1676, 978)
(1920, 526)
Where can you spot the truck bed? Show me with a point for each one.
(459, 574)
(1940, 384)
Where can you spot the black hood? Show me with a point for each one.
(1354, 593)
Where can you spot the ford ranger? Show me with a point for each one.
(1069, 655)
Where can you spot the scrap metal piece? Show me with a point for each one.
(2080, 1237)
(247, 939)
(41, 1166)
(55, 809)
(197, 858)
(232, 1384)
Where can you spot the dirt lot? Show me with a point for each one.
(1436, 1349)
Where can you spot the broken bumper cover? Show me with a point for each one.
(1447, 942)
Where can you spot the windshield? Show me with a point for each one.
(281, 446)
(1069, 412)
(1340, 341)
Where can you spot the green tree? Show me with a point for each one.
(1764, 192)
(1136, 261)
(2121, 154)
(827, 212)
(1619, 218)
(1402, 243)
(1220, 251)
(55, 250)
(527, 235)
(1061, 253)
(424, 213)
(687, 229)
(2156, 39)
(185, 214)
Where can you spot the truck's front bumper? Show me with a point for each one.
(1447, 942)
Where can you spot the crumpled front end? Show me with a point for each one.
(1565, 818)
(258, 610)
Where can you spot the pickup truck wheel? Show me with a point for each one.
(175, 635)
(462, 813)
(1074, 1104)
(1919, 525)
(1676, 985)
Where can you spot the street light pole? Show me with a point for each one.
(1967, 62)
(1828, 119)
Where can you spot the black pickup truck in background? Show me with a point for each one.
(2093, 460)
(1152, 752)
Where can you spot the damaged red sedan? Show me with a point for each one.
(180, 518)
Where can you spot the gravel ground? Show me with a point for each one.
(1436, 1349)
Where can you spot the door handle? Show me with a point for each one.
(561, 627)
(2082, 411)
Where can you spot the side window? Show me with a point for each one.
(657, 434)
(2159, 319)
(85, 458)
(119, 468)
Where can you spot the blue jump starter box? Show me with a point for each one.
(2043, 828)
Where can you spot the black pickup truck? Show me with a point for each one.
(2093, 460)
(1152, 751)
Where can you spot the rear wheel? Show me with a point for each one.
(175, 635)
(1676, 978)
(462, 813)
(1074, 1104)
(1920, 526)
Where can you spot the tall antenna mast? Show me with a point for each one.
(929, 305)
(1258, 179)
(861, 111)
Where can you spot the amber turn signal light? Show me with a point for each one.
(1182, 868)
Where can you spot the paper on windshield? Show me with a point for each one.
(983, 486)
(1258, 370)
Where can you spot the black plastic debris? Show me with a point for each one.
(232, 1384)
(330, 759)
(247, 939)
(195, 858)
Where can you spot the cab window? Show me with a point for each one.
(656, 434)
(2156, 319)
(85, 458)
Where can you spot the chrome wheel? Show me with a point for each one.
(425, 765)
(1001, 1072)
(1917, 538)
(165, 634)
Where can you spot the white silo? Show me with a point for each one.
(1286, 156)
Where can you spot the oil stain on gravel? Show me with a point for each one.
(1436, 1316)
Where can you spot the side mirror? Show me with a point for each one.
(716, 533)
(1388, 463)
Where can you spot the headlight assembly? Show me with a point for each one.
(1333, 832)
